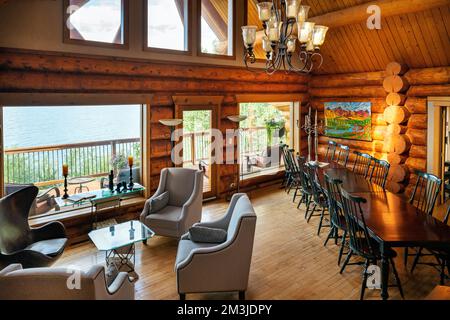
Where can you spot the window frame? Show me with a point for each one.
(199, 35)
(125, 21)
(62, 100)
(188, 33)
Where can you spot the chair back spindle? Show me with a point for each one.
(425, 192)
(360, 240)
(331, 151)
(344, 153)
(362, 164)
(379, 172)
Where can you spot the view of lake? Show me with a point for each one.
(43, 126)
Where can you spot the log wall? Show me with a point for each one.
(36, 72)
(408, 126)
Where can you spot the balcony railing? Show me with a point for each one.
(43, 165)
(196, 145)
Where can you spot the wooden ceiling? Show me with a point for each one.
(420, 39)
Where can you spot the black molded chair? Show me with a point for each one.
(362, 164)
(379, 172)
(424, 196)
(331, 151)
(360, 242)
(344, 154)
(32, 248)
(319, 198)
(337, 218)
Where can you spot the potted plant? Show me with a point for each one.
(275, 128)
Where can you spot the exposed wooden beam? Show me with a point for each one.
(357, 14)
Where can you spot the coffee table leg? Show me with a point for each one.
(125, 259)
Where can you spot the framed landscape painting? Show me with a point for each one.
(349, 120)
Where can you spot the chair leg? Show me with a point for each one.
(182, 296)
(312, 212)
(336, 236)
(364, 282)
(331, 234)
(416, 259)
(347, 260)
(241, 295)
(341, 251)
(397, 278)
(443, 263)
(405, 257)
(322, 215)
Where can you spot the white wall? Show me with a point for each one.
(38, 25)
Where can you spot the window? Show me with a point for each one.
(96, 21)
(266, 128)
(217, 27)
(167, 24)
(252, 19)
(38, 141)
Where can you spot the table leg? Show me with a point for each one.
(384, 273)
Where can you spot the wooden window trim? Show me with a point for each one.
(189, 33)
(199, 35)
(83, 100)
(124, 45)
(2, 188)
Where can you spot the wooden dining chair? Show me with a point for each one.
(424, 196)
(299, 162)
(360, 242)
(307, 192)
(331, 151)
(337, 218)
(287, 167)
(362, 164)
(442, 257)
(320, 200)
(344, 154)
(379, 172)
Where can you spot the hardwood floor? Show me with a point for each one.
(289, 260)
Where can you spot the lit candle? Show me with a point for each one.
(303, 14)
(316, 119)
(266, 44)
(291, 44)
(130, 161)
(65, 170)
(264, 14)
(274, 34)
(249, 35)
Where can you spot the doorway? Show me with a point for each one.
(198, 122)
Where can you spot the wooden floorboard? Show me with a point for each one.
(289, 260)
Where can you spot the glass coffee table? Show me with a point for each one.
(118, 242)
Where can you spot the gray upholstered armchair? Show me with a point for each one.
(52, 284)
(225, 267)
(184, 208)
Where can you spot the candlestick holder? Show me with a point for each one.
(66, 195)
(131, 184)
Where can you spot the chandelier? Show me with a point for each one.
(280, 20)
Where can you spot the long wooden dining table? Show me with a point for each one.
(392, 221)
